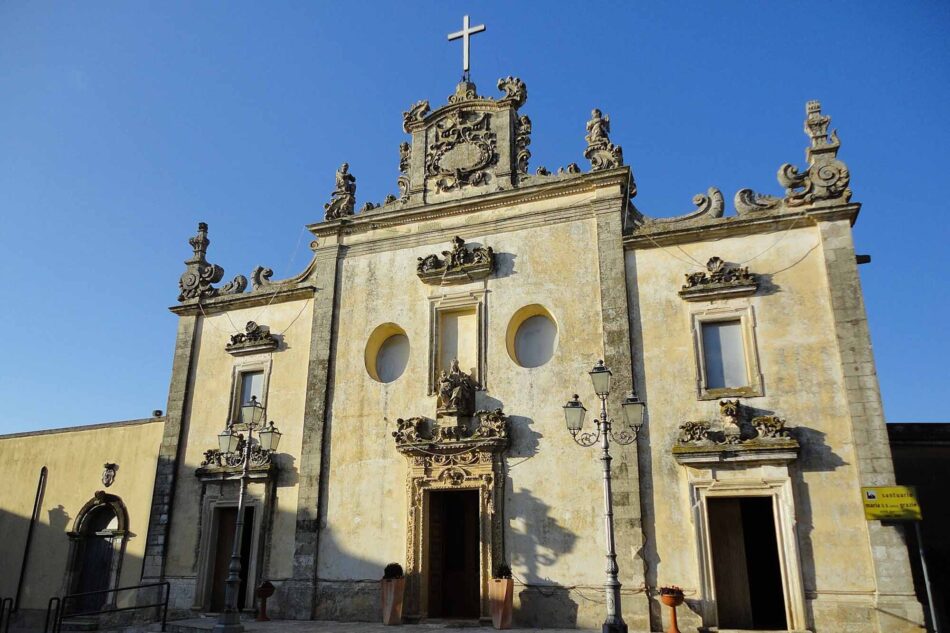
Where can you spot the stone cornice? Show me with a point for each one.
(266, 296)
(717, 228)
(559, 187)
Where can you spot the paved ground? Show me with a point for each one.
(200, 625)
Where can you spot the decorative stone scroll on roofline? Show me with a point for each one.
(196, 282)
(719, 281)
(461, 264)
(738, 438)
(825, 182)
(254, 340)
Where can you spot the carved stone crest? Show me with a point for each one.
(763, 437)
(255, 338)
(461, 264)
(108, 473)
(462, 150)
(343, 199)
(601, 153)
(196, 282)
(719, 280)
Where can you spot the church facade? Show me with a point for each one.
(418, 367)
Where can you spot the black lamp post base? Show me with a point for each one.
(617, 627)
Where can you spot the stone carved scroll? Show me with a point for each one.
(196, 282)
(522, 140)
(826, 177)
(719, 280)
(403, 182)
(736, 436)
(255, 338)
(415, 115)
(601, 153)
(515, 91)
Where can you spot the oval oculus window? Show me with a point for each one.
(532, 336)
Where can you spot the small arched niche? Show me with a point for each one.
(532, 336)
(387, 353)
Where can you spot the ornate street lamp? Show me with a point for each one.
(574, 413)
(229, 442)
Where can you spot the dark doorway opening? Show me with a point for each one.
(95, 559)
(222, 546)
(453, 554)
(746, 568)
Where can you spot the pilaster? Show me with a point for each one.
(159, 524)
(617, 356)
(896, 607)
(298, 595)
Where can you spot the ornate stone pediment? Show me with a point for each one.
(196, 282)
(718, 281)
(467, 145)
(460, 265)
(422, 437)
(255, 338)
(736, 437)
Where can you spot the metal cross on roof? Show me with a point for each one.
(464, 35)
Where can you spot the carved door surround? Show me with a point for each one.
(450, 458)
(765, 480)
(116, 537)
(219, 489)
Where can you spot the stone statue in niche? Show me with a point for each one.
(456, 391)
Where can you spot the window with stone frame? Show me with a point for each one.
(249, 378)
(726, 355)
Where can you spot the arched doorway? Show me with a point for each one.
(97, 544)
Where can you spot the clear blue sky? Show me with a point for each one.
(123, 124)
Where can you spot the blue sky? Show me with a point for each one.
(123, 124)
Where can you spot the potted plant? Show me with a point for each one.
(500, 595)
(393, 585)
(672, 596)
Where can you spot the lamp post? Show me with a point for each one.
(574, 413)
(229, 442)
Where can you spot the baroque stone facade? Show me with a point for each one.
(418, 365)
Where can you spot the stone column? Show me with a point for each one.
(896, 606)
(298, 595)
(617, 356)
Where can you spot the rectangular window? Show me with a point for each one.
(458, 339)
(724, 355)
(252, 384)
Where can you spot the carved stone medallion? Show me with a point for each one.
(463, 149)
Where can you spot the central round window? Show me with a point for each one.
(532, 336)
(387, 353)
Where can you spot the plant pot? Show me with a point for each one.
(500, 595)
(392, 592)
(672, 600)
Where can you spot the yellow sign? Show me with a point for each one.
(890, 503)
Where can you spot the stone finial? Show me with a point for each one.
(343, 200)
(196, 282)
(826, 177)
(415, 115)
(601, 153)
(514, 90)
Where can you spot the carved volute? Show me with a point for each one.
(470, 146)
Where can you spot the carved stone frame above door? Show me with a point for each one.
(454, 458)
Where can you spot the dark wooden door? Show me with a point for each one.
(453, 547)
(95, 571)
(223, 546)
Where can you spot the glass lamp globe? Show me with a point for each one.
(600, 376)
(574, 413)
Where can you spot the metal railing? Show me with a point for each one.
(57, 609)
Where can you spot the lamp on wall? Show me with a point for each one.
(574, 412)
(229, 443)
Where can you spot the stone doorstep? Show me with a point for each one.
(205, 625)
